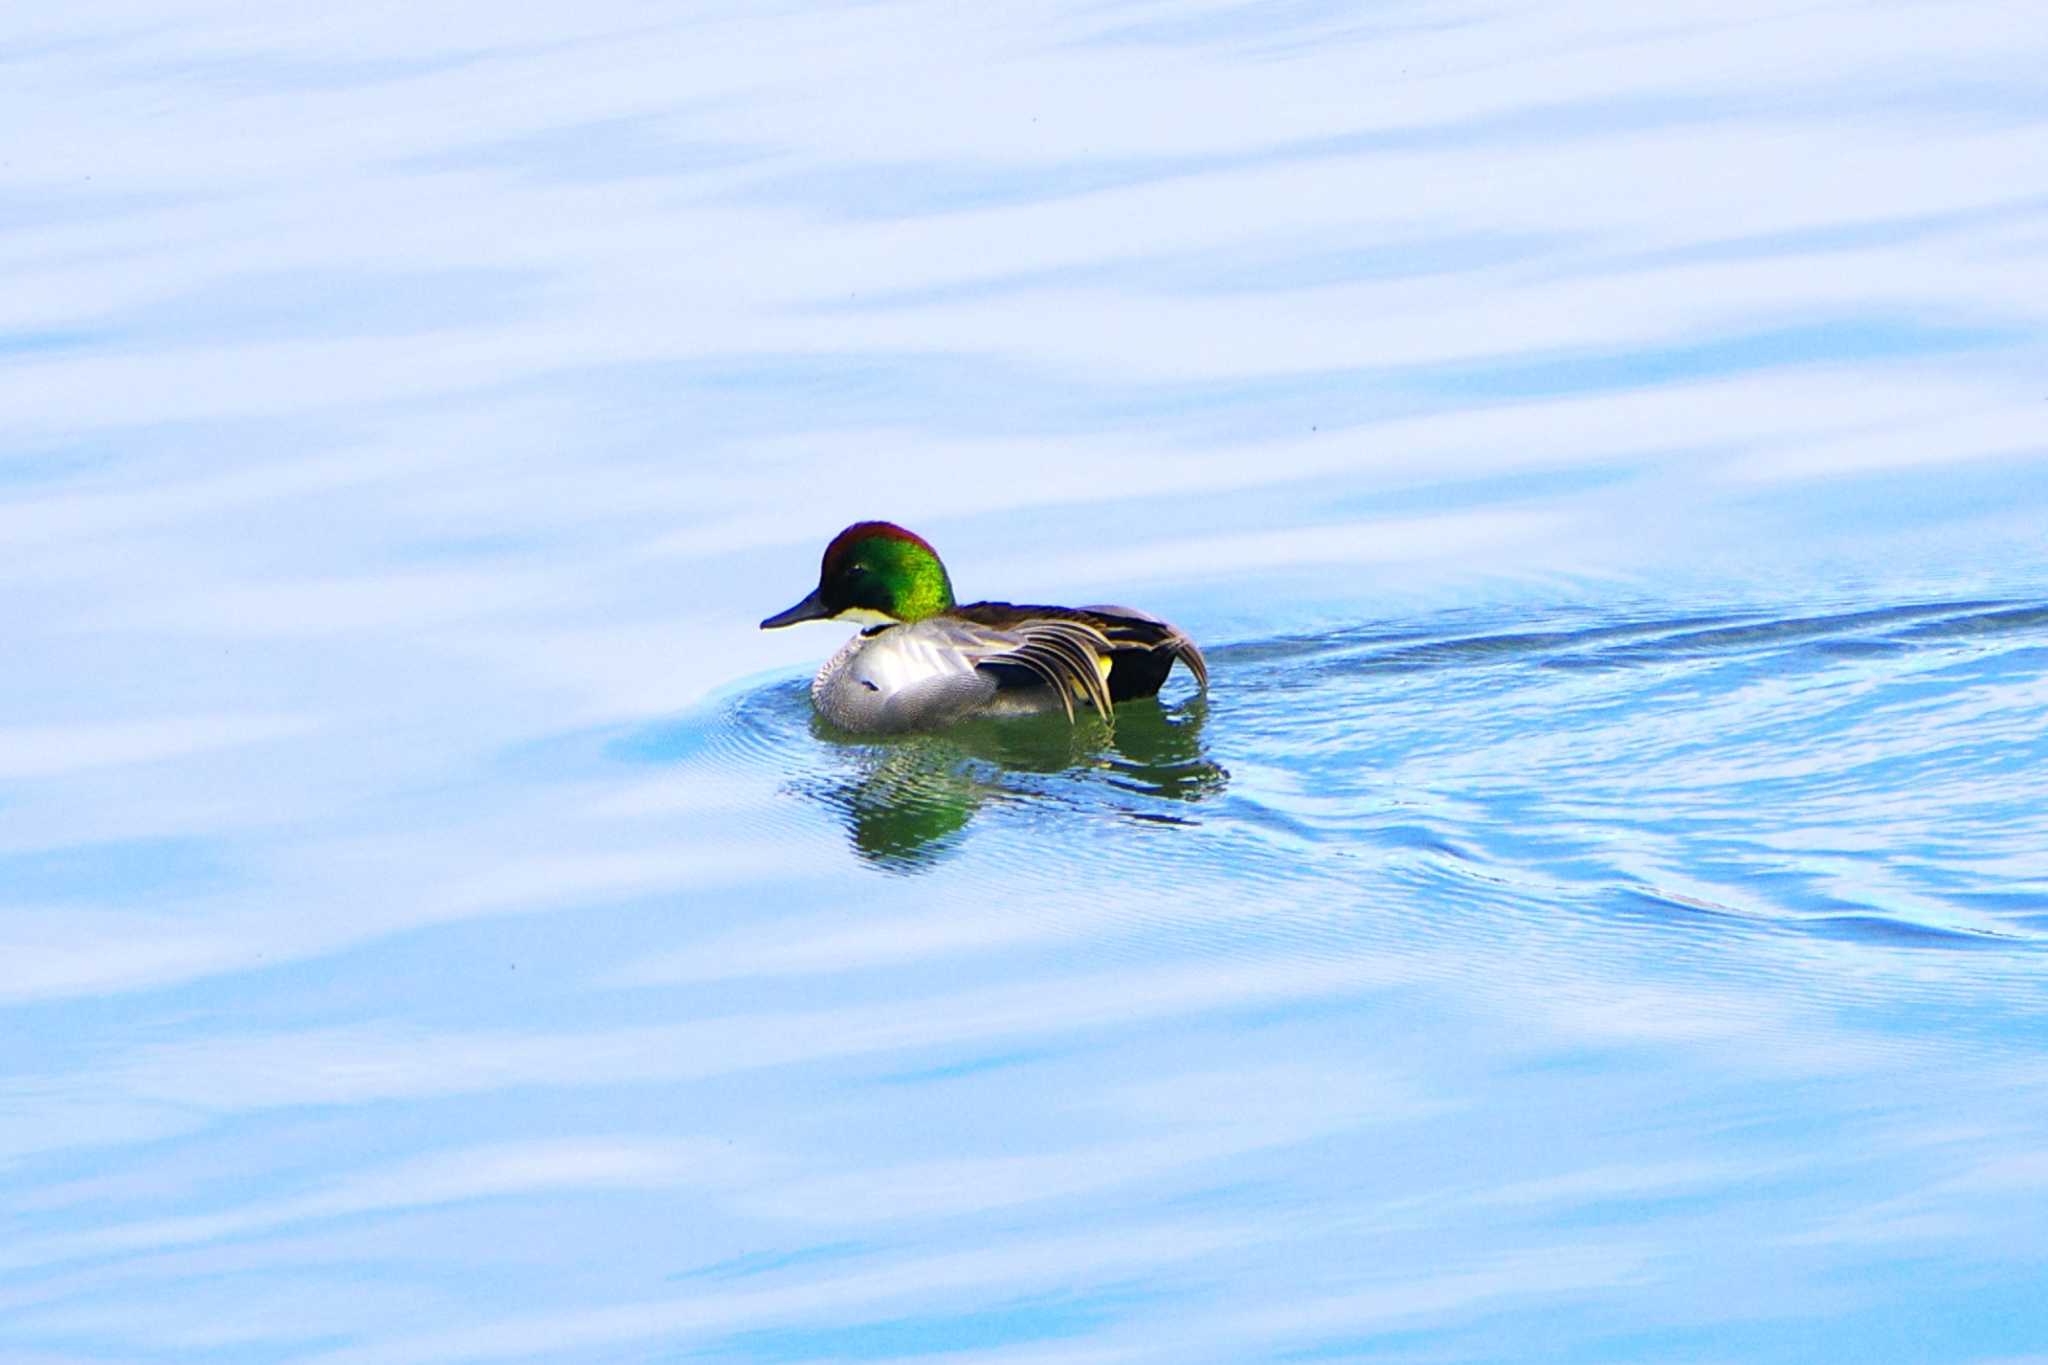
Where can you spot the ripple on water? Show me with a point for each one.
(1823, 775)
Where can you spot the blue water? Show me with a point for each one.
(1598, 913)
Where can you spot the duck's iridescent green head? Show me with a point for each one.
(874, 571)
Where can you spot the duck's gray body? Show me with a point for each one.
(931, 661)
(994, 659)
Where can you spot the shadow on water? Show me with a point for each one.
(908, 801)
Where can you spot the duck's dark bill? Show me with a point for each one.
(810, 609)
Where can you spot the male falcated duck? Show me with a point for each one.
(924, 661)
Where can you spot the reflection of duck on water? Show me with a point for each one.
(925, 662)
(907, 801)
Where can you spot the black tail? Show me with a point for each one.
(1145, 649)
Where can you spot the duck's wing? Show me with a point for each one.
(1130, 651)
(1059, 648)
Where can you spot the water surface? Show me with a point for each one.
(1597, 913)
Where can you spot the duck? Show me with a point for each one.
(923, 661)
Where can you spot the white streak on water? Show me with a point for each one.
(405, 418)
(52, 751)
